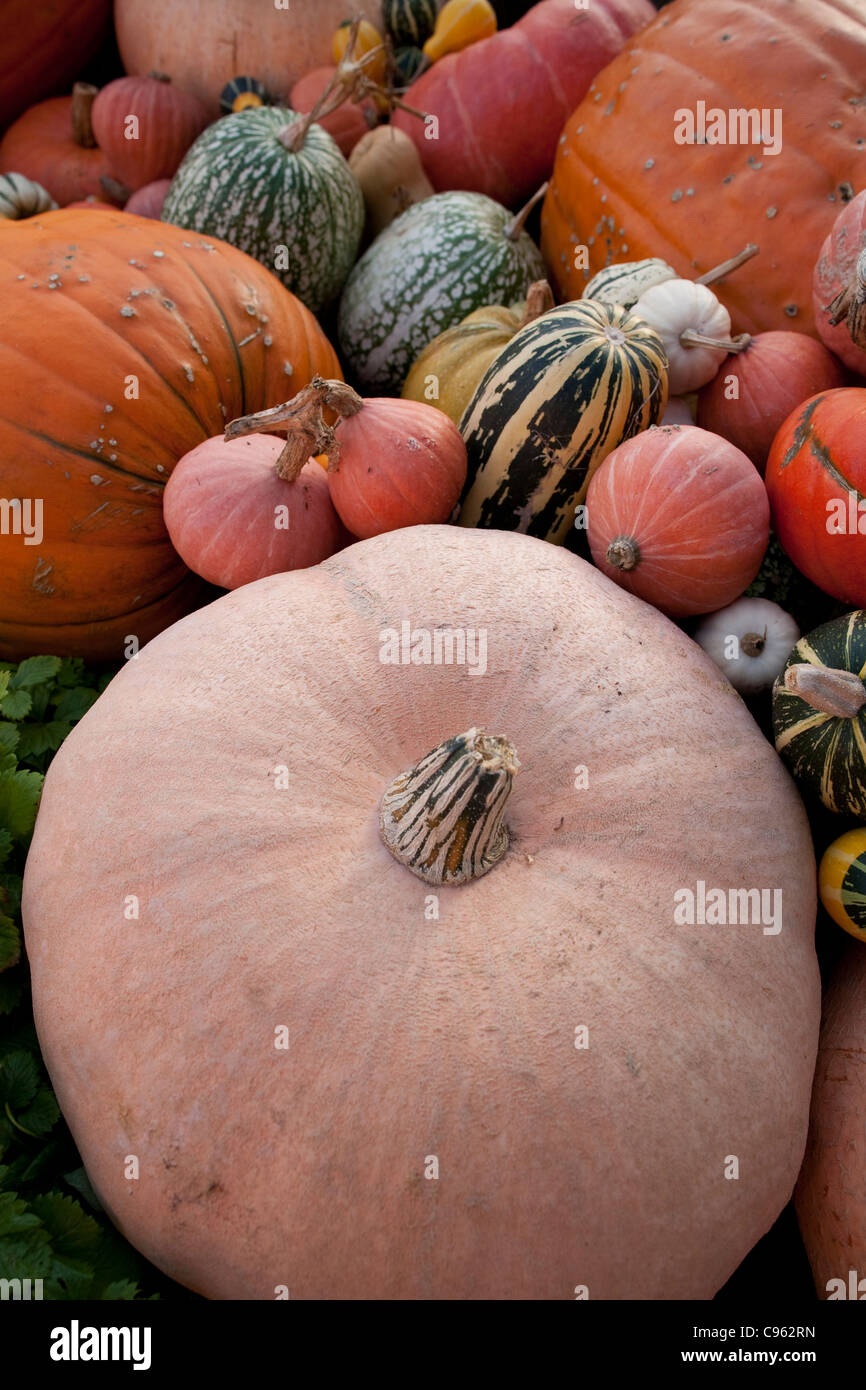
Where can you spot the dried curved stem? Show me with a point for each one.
(303, 420)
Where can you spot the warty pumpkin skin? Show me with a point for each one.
(831, 1208)
(90, 302)
(412, 1036)
(203, 44)
(625, 189)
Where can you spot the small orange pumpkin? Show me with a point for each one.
(54, 144)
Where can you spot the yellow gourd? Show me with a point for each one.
(460, 23)
(368, 39)
(450, 368)
(842, 882)
(388, 167)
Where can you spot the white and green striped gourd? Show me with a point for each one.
(277, 189)
(440, 260)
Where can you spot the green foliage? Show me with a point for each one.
(52, 1226)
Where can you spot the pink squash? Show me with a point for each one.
(344, 1082)
(148, 201)
(753, 393)
(834, 272)
(233, 517)
(831, 1192)
(501, 103)
(347, 124)
(166, 122)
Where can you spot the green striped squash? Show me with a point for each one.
(301, 213)
(566, 390)
(410, 22)
(409, 62)
(439, 260)
(825, 751)
(624, 284)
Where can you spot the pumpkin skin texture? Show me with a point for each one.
(169, 120)
(137, 295)
(203, 44)
(501, 102)
(833, 271)
(696, 511)
(625, 189)
(280, 1173)
(41, 145)
(45, 47)
(220, 511)
(816, 475)
(774, 374)
(829, 1196)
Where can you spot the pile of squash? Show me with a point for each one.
(420, 318)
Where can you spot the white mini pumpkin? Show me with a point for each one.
(695, 329)
(750, 641)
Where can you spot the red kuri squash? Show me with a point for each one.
(353, 1084)
(679, 517)
(816, 479)
(46, 43)
(126, 343)
(499, 105)
(234, 514)
(144, 126)
(755, 391)
(54, 144)
(624, 187)
(834, 272)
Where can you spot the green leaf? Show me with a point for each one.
(16, 704)
(10, 943)
(19, 1080)
(10, 992)
(41, 738)
(35, 670)
(19, 798)
(14, 1216)
(79, 1180)
(72, 671)
(123, 1289)
(4, 683)
(74, 704)
(40, 1116)
(5, 845)
(8, 737)
(74, 1234)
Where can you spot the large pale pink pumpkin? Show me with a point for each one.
(831, 1192)
(203, 44)
(421, 1027)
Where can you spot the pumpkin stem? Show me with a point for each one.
(443, 818)
(753, 643)
(116, 190)
(83, 96)
(623, 553)
(159, 76)
(539, 300)
(517, 223)
(303, 420)
(825, 688)
(689, 338)
(732, 263)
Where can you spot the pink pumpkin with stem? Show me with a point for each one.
(836, 279)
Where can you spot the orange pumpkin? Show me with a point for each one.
(54, 144)
(298, 1024)
(127, 342)
(624, 188)
(167, 121)
(46, 43)
(679, 517)
(203, 44)
(830, 1200)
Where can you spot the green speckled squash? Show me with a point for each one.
(298, 211)
(440, 260)
(410, 21)
(557, 400)
(819, 714)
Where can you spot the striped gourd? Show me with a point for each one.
(21, 197)
(819, 713)
(438, 261)
(298, 211)
(410, 22)
(842, 882)
(624, 284)
(566, 390)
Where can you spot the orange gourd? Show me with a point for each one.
(54, 144)
(127, 342)
(624, 187)
(679, 517)
(308, 1031)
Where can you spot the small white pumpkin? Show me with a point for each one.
(749, 641)
(22, 197)
(695, 329)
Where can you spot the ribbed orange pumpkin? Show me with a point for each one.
(45, 46)
(624, 188)
(54, 144)
(167, 122)
(126, 343)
